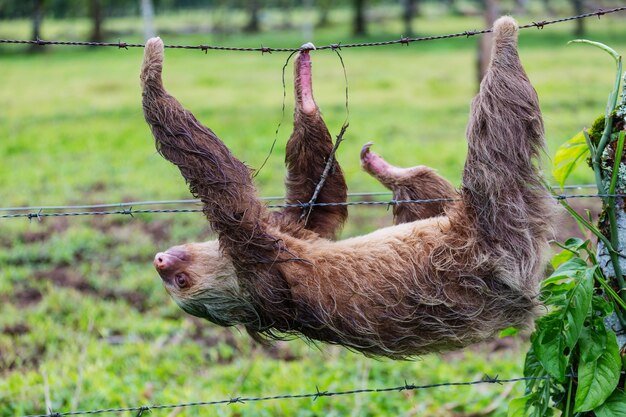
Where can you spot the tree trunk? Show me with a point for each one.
(147, 13)
(324, 9)
(604, 260)
(97, 19)
(253, 25)
(359, 24)
(492, 10)
(521, 7)
(38, 9)
(612, 322)
(579, 30)
(548, 6)
(307, 26)
(408, 15)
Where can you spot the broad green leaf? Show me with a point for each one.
(579, 304)
(532, 368)
(566, 270)
(614, 406)
(571, 247)
(518, 407)
(551, 349)
(568, 156)
(592, 339)
(561, 257)
(598, 379)
(601, 305)
(558, 333)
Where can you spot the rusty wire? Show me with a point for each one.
(335, 46)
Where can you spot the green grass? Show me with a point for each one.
(80, 304)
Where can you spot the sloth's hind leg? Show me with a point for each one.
(416, 183)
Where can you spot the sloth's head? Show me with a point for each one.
(202, 281)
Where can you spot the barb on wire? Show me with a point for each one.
(141, 410)
(264, 49)
(129, 211)
(197, 201)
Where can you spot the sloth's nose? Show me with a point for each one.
(163, 261)
(171, 261)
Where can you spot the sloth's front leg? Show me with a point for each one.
(213, 173)
(308, 150)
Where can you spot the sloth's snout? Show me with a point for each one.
(170, 262)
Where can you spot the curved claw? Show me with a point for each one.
(307, 47)
(365, 150)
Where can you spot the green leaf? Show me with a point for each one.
(518, 407)
(568, 156)
(592, 340)
(571, 248)
(601, 306)
(509, 331)
(551, 350)
(614, 406)
(597, 379)
(558, 333)
(561, 257)
(566, 270)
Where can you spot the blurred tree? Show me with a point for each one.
(286, 7)
(37, 19)
(521, 7)
(253, 25)
(96, 13)
(411, 9)
(549, 8)
(324, 8)
(359, 23)
(491, 12)
(579, 29)
(147, 12)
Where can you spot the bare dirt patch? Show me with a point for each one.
(25, 297)
(16, 329)
(67, 277)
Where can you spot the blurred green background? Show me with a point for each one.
(84, 320)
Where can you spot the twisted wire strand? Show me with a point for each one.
(129, 211)
(197, 201)
(335, 46)
(314, 395)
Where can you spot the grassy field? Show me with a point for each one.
(84, 320)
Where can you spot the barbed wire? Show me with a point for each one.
(486, 379)
(335, 46)
(196, 200)
(129, 211)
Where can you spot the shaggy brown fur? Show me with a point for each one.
(429, 285)
(308, 149)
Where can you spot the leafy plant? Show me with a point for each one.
(574, 358)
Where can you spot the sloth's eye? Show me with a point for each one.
(181, 280)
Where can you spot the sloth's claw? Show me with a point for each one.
(307, 47)
(365, 150)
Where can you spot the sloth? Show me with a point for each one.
(445, 275)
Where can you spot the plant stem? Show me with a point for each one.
(569, 397)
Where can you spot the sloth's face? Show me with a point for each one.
(203, 282)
